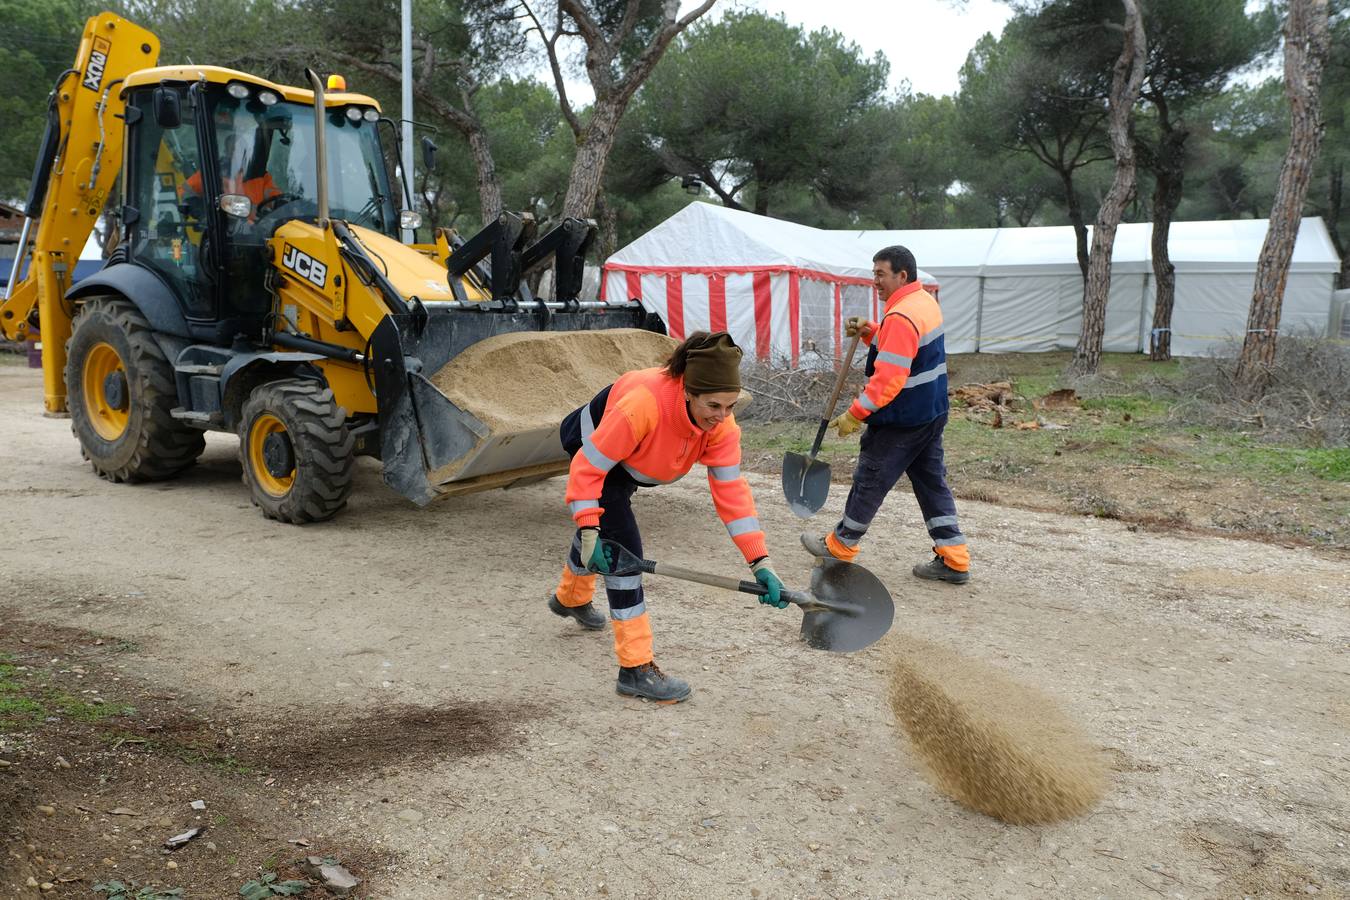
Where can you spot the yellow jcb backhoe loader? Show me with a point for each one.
(259, 287)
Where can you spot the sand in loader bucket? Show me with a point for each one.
(992, 745)
(531, 380)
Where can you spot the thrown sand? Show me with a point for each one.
(990, 744)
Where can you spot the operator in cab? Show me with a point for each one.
(239, 138)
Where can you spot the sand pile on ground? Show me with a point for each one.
(990, 744)
(532, 379)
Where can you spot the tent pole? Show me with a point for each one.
(979, 316)
(1143, 310)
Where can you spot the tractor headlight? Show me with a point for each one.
(268, 98)
(371, 115)
(354, 114)
(237, 91)
(236, 205)
(408, 220)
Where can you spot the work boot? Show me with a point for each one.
(587, 615)
(816, 546)
(649, 682)
(938, 570)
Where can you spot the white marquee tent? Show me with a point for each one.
(783, 288)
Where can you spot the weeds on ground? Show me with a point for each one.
(117, 890)
(266, 886)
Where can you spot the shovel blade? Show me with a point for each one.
(806, 484)
(864, 611)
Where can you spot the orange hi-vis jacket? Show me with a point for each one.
(256, 189)
(646, 429)
(907, 366)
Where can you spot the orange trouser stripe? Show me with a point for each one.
(574, 589)
(633, 640)
(956, 556)
(838, 549)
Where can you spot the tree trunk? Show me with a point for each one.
(1335, 195)
(588, 168)
(1075, 211)
(1306, 44)
(1169, 173)
(761, 190)
(489, 185)
(1126, 81)
(612, 95)
(607, 218)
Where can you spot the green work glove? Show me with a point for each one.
(592, 556)
(766, 576)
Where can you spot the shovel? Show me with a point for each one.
(847, 607)
(806, 481)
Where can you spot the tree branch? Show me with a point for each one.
(551, 46)
(655, 48)
(627, 24)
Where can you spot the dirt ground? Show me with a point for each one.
(390, 689)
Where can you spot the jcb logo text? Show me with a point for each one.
(304, 265)
(98, 61)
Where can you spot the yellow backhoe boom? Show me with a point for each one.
(80, 159)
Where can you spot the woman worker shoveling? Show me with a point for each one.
(650, 427)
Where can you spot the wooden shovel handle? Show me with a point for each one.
(801, 598)
(843, 376)
(834, 397)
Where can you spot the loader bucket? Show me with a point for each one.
(474, 400)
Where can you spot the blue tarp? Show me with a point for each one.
(83, 269)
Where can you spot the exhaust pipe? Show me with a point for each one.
(320, 146)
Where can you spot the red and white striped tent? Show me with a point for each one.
(783, 290)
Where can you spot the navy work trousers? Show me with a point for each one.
(886, 452)
(618, 524)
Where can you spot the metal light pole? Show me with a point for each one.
(407, 109)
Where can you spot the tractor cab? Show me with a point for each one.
(217, 162)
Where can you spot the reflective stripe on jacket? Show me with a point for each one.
(646, 429)
(907, 364)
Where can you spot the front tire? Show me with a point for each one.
(120, 391)
(296, 451)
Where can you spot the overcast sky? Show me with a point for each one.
(926, 41)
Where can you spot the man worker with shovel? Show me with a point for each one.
(650, 427)
(905, 407)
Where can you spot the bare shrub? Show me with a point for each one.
(784, 394)
(1308, 402)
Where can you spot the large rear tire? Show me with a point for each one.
(120, 390)
(296, 451)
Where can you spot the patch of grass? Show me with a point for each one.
(18, 711)
(222, 762)
(84, 711)
(1326, 464)
(1137, 406)
(26, 700)
(196, 756)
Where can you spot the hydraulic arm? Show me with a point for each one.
(80, 158)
